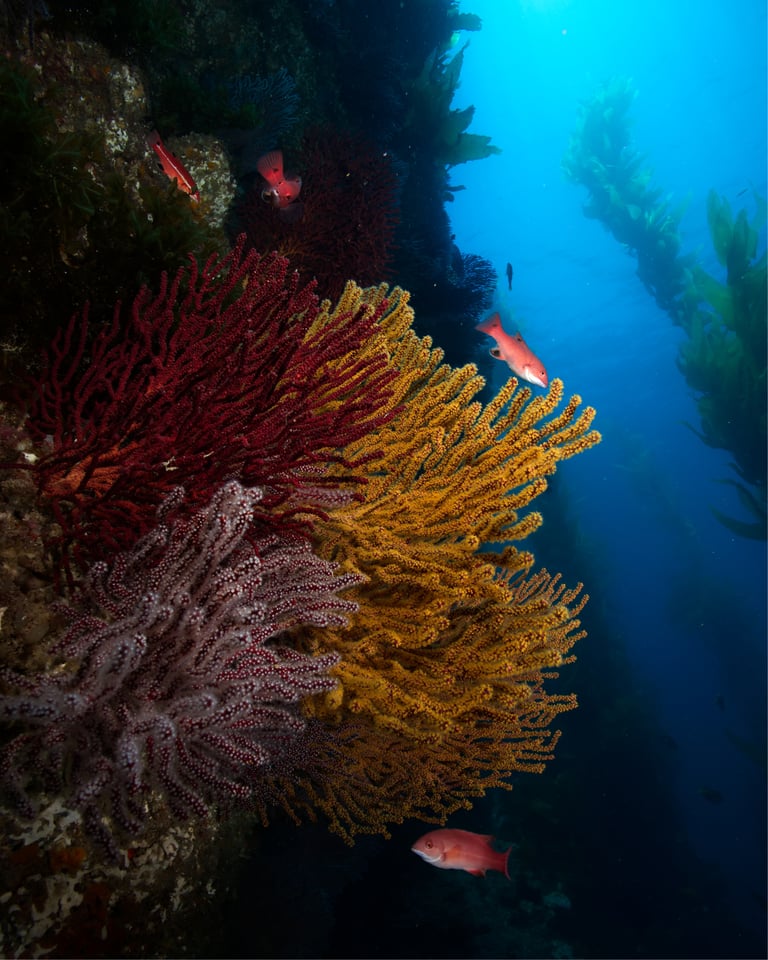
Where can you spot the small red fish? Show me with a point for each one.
(172, 167)
(515, 351)
(280, 190)
(461, 850)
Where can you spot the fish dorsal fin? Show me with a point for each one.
(270, 166)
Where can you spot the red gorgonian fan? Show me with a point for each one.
(225, 374)
(348, 216)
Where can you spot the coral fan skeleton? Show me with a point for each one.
(298, 431)
(179, 686)
(237, 355)
(442, 669)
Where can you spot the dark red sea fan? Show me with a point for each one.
(349, 214)
(224, 374)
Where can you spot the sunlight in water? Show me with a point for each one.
(545, 6)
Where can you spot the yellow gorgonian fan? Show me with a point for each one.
(441, 681)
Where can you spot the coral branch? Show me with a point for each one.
(231, 371)
(170, 681)
(442, 673)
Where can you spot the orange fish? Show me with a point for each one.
(280, 190)
(461, 850)
(521, 359)
(172, 167)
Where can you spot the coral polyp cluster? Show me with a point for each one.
(442, 667)
(223, 374)
(166, 681)
(289, 531)
(333, 426)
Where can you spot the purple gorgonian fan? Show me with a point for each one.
(175, 676)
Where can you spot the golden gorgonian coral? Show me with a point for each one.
(441, 680)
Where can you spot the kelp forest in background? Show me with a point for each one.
(270, 595)
(724, 357)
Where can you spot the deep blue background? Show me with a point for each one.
(645, 836)
(685, 597)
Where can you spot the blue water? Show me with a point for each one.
(646, 834)
(685, 597)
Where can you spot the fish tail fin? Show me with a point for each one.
(270, 166)
(505, 861)
(492, 323)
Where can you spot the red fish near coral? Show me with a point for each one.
(461, 850)
(172, 167)
(515, 351)
(280, 191)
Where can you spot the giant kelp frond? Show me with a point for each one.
(602, 157)
(724, 355)
(431, 118)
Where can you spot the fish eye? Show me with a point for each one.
(429, 844)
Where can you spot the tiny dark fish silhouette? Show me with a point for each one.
(713, 796)
(510, 274)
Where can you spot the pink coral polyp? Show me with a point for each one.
(181, 688)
